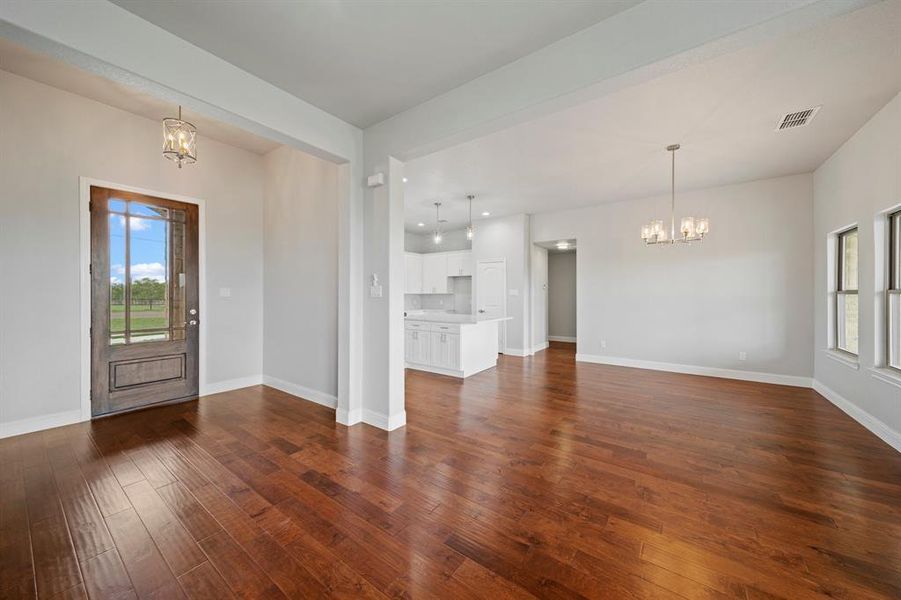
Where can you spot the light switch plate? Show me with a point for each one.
(225, 292)
(375, 291)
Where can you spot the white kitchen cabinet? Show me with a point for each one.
(449, 344)
(417, 346)
(459, 264)
(434, 274)
(445, 350)
(412, 273)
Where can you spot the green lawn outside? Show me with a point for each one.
(156, 321)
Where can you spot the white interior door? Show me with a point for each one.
(491, 294)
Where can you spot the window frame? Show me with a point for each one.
(840, 290)
(893, 283)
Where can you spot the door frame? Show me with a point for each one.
(502, 325)
(84, 279)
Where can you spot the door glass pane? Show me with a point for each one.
(849, 260)
(148, 260)
(178, 310)
(115, 205)
(147, 210)
(117, 278)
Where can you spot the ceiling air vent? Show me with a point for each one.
(797, 119)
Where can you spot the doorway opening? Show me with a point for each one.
(557, 302)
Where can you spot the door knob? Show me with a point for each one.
(481, 310)
(192, 322)
(193, 311)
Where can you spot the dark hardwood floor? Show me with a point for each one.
(543, 477)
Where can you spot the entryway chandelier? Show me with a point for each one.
(179, 140)
(692, 229)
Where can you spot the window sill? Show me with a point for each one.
(890, 376)
(849, 360)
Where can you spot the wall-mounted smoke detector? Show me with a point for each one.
(798, 118)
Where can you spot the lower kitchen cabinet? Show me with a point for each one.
(445, 350)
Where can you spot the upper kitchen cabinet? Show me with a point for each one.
(413, 273)
(459, 264)
(434, 274)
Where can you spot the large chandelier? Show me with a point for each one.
(692, 229)
(179, 140)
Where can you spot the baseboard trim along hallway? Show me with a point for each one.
(776, 378)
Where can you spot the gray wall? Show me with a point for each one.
(744, 289)
(300, 266)
(538, 283)
(59, 136)
(508, 238)
(860, 180)
(561, 276)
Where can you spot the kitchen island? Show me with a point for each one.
(452, 344)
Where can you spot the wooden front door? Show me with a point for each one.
(144, 309)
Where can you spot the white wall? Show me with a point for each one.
(300, 281)
(561, 276)
(424, 243)
(860, 180)
(744, 289)
(539, 283)
(508, 238)
(58, 137)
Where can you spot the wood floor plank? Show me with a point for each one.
(238, 570)
(173, 541)
(55, 565)
(105, 577)
(204, 583)
(143, 561)
(540, 478)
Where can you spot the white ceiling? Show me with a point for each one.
(56, 73)
(723, 112)
(365, 60)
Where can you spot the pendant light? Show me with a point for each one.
(179, 140)
(469, 228)
(691, 229)
(437, 236)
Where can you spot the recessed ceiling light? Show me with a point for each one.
(420, 224)
(562, 245)
(486, 214)
(405, 180)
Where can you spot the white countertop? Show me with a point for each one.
(445, 317)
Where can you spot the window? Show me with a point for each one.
(893, 293)
(846, 302)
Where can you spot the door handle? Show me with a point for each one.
(481, 310)
(192, 322)
(193, 311)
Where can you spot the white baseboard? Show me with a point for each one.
(301, 391)
(879, 428)
(22, 426)
(386, 422)
(561, 338)
(349, 417)
(777, 378)
(539, 347)
(515, 352)
(230, 384)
